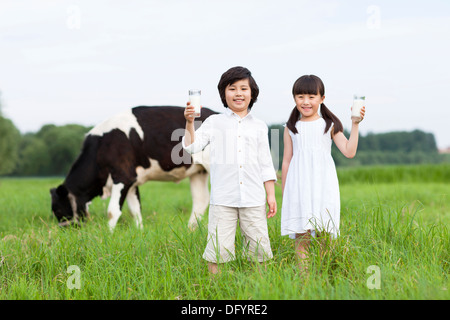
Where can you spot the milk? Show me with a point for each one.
(194, 99)
(358, 103)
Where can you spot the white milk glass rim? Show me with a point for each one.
(194, 92)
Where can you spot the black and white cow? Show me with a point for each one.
(125, 151)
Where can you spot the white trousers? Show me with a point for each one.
(222, 232)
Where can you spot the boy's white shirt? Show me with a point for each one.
(240, 158)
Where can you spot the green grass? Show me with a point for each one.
(395, 173)
(399, 226)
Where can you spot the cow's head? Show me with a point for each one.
(63, 206)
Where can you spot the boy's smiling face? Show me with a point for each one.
(238, 96)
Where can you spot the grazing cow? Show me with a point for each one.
(122, 153)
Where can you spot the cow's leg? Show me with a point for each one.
(200, 197)
(115, 204)
(134, 204)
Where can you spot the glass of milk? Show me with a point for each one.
(358, 102)
(194, 99)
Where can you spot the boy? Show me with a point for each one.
(241, 164)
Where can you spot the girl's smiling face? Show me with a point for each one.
(308, 105)
(238, 96)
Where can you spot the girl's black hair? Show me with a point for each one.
(311, 84)
(235, 74)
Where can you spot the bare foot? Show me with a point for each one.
(213, 268)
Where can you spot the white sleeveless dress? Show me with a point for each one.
(311, 199)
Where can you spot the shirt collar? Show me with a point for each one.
(229, 112)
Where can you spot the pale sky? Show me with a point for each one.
(83, 61)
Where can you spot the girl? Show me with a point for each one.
(310, 186)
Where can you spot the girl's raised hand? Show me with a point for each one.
(362, 113)
(189, 113)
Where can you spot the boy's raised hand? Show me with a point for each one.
(189, 113)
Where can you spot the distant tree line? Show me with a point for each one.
(402, 147)
(9, 135)
(48, 152)
(52, 150)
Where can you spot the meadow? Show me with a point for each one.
(394, 244)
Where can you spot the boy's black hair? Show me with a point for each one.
(311, 84)
(235, 74)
